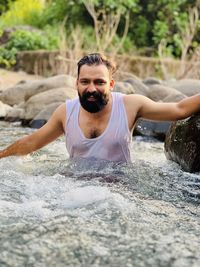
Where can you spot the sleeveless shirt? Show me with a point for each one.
(112, 145)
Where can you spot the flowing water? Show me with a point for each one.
(54, 212)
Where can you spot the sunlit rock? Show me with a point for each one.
(182, 143)
(24, 90)
(4, 109)
(38, 102)
(43, 116)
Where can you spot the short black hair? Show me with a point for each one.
(96, 59)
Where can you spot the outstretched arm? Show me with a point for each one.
(148, 109)
(49, 132)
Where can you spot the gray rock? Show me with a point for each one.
(24, 90)
(158, 92)
(138, 86)
(38, 102)
(187, 87)
(182, 143)
(155, 129)
(151, 80)
(124, 87)
(46, 113)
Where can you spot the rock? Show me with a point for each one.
(182, 143)
(151, 80)
(4, 109)
(187, 87)
(15, 114)
(138, 86)
(36, 124)
(24, 90)
(158, 92)
(38, 102)
(174, 97)
(156, 129)
(43, 116)
(124, 87)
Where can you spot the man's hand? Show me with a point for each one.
(49, 132)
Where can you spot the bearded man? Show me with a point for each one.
(99, 123)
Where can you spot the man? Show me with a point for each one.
(99, 123)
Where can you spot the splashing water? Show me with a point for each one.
(54, 212)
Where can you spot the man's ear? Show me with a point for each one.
(77, 83)
(112, 83)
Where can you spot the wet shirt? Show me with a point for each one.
(112, 145)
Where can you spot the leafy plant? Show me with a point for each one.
(7, 57)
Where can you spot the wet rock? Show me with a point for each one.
(36, 124)
(156, 129)
(159, 92)
(138, 86)
(182, 143)
(124, 87)
(187, 87)
(24, 90)
(38, 102)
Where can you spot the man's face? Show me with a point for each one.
(94, 85)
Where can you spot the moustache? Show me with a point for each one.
(95, 95)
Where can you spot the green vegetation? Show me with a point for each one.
(142, 27)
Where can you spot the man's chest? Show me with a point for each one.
(92, 128)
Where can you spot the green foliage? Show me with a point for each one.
(25, 40)
(151, 21)
(21, 12)
(22, 40)
(7, 57)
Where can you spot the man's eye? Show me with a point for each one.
(99, 82)
(84, 82)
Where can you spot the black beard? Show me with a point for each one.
(100, 101)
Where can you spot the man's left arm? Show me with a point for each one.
(168, 111)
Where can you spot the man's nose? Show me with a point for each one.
(91, 87)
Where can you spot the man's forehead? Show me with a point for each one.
(94, 71)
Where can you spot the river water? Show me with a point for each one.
(54, 212)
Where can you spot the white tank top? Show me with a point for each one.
(112, 145)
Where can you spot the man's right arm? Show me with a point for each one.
(46, 134)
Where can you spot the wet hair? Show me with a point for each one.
(97, 59)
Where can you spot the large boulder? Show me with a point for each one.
(4, 109)
(38, 102)
(138, 86)
(43, 116)
(155, 129)
(151, 80)
(187, 87)
(158, 92)
(124, 87)
(24, 90)
(182, 143)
